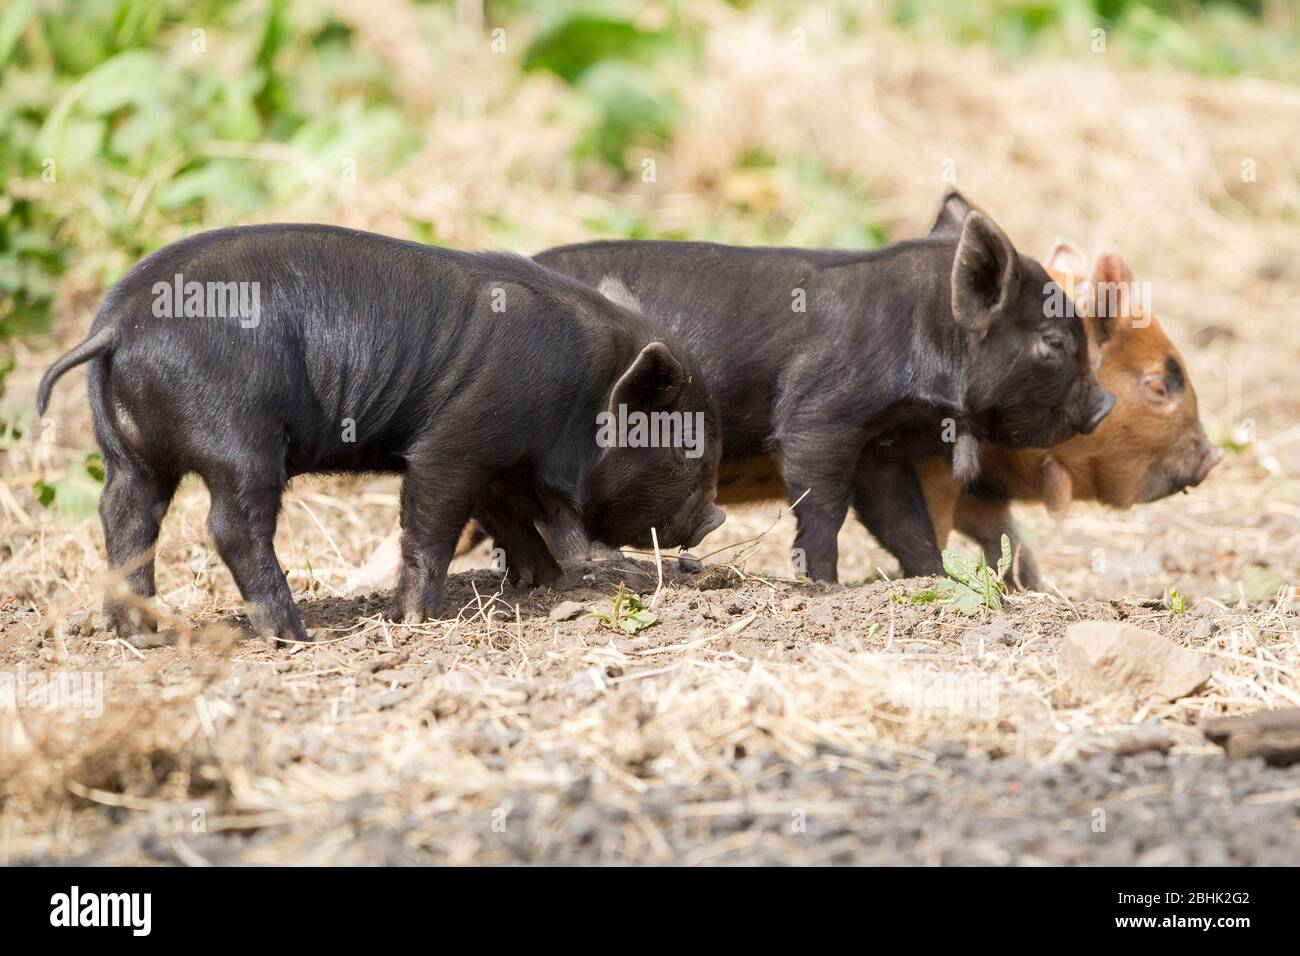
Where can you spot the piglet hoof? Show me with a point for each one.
(534, 573)
(406, 609)
(129, 619)
(422, 615)
(277, 629)
(547, 574)
(415, 605)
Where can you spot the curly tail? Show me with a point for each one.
(96, 345)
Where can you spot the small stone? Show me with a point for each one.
(689, 563)
(1273, 735)
(1105, 657)
(146, 640)
(793, 603)
(986, 636)
(566, 611)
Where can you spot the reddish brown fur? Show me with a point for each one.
(1151, 445)
(754, 479)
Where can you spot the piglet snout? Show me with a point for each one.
(1211, 455)
(712, 522)
(1102, 403)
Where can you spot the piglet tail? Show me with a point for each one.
(966, 459)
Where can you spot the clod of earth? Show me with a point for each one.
(1147, 741)
(566, 611)
(1108, 657)
(1271, 734)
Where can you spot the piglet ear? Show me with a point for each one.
(1109, 304)
(985, 273)
(1066, 258)
(653, 381)
(952, 215)
(1109, 265)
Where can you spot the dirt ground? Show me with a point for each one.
(760, 719)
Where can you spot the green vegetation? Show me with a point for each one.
(74, 495)
(128, 116)
(610, 60)
(1218, 37)
(971, 586)
(130, 122)
(627, 613)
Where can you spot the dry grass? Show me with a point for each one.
(425, 738)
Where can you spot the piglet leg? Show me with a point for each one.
(242, 523)
(889, 501)
(436, 504)
(825, 478)
(131, 510)
(511, 526)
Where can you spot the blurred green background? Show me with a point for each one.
(130, 122)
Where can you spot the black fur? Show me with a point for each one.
(876, 372)
(397, 346)
(1174, 377)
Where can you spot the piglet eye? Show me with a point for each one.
(1054, 342)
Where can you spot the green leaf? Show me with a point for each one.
(223, 183)
(961, 567)
(972, 586)
(627, 613)
(7, 365)
(968, 601)
(73, 145)
(75, 495)
(44, 492)
(132, 78)
(574, 43)
(633, 106)
(17, 14)
(1004, 562)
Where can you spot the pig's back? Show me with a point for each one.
(759, 320)
(358, 345)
